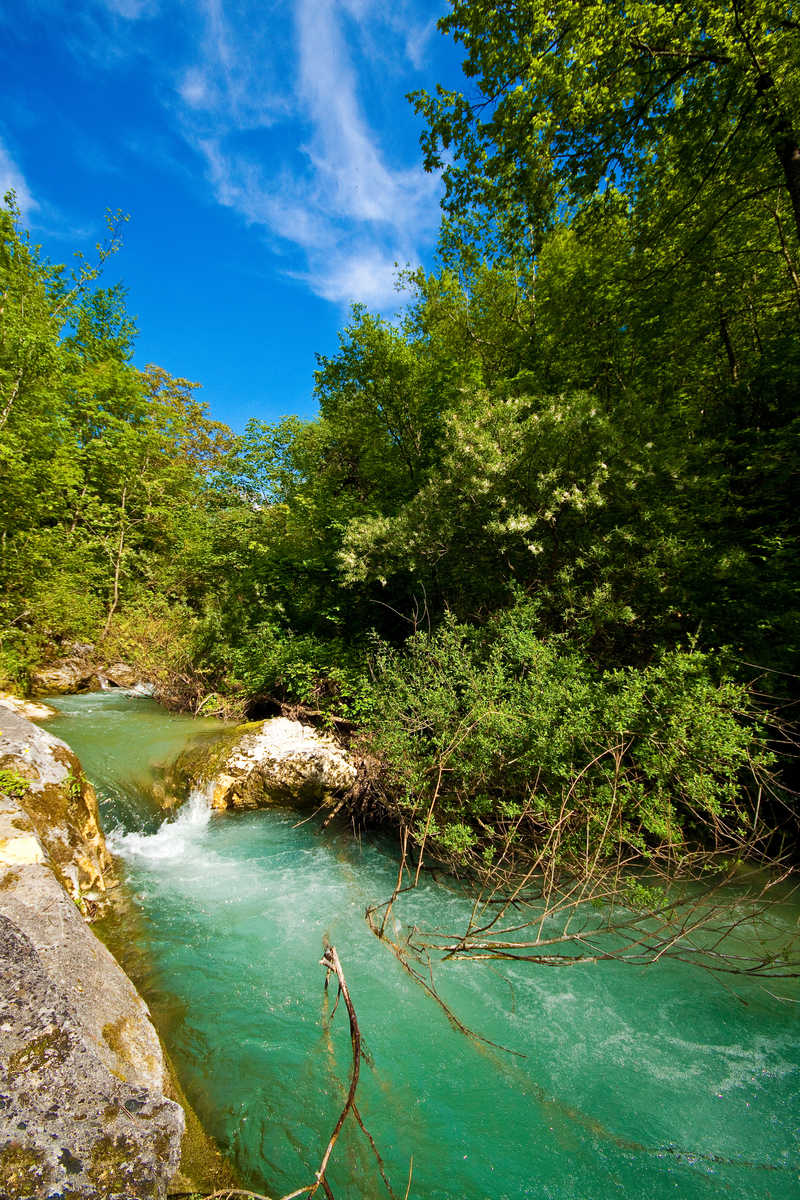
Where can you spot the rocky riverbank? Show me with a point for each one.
(83, 1110)
(84, 669)
(71, 1022)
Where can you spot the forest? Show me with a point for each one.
(537, 555)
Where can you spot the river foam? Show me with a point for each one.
(172, 839)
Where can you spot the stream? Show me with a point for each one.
(639, 1083)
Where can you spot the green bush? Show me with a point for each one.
(493, 733)
(20, 653)
(271, 660)
(154, 634)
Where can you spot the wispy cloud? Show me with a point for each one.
(343, 150)
(12, 179)
(333, 194)
(287, 104)
(232, 84)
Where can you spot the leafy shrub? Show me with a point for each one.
(20, 652)
(270, 660)
(154, 634)
(494, 735)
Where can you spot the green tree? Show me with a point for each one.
(573, 97)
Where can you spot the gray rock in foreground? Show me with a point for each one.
(112, 1016)
(82, 1110)
(68, 1126)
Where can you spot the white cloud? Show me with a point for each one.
(333, 194)
(417, 38)
(270, 95)
(342, 149)
(366, 275)
(12, 179)
(228, 87)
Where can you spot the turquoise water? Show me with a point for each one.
(639, 1083)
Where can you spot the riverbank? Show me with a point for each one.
(73, 1023)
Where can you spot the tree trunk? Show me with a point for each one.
(787, 258)
(117, 565)
(788, 152)
(784, 140)
(730, 353)
(12, 397)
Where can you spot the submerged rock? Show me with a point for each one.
(82, 1109)
(269, 762)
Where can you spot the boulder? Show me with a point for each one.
(58, 803)
(71, 1125)
(30, 709)
(278, 761)
(143, 689)
(121, 675)
(65, 677)
(82, 1105)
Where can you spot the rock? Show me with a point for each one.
(70, 1126)
(146, 690)
(82, 671)
(66, 677)
(121, 675)
(57, 803)
(82, 1105)
(29, 709)
(112, 1015)
(275, 761)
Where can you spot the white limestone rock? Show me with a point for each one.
(32, 710)
(278, 761)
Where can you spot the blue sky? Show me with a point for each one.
(264, 151)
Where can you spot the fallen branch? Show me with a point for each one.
(330, 960)
(427, 985)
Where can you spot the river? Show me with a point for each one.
(638, 1083)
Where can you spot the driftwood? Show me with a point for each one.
(330, 961)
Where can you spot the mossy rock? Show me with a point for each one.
(277, 761)
(201, 760)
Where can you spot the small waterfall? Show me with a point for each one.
(174, 837)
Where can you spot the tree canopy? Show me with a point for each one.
(567, 470)
(577, 98)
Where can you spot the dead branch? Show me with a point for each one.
(428, 986)
(330, 961)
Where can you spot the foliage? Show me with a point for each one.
(542, 521)
(14, 785)
(486, 729)
(100, 463)
(577, 98)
